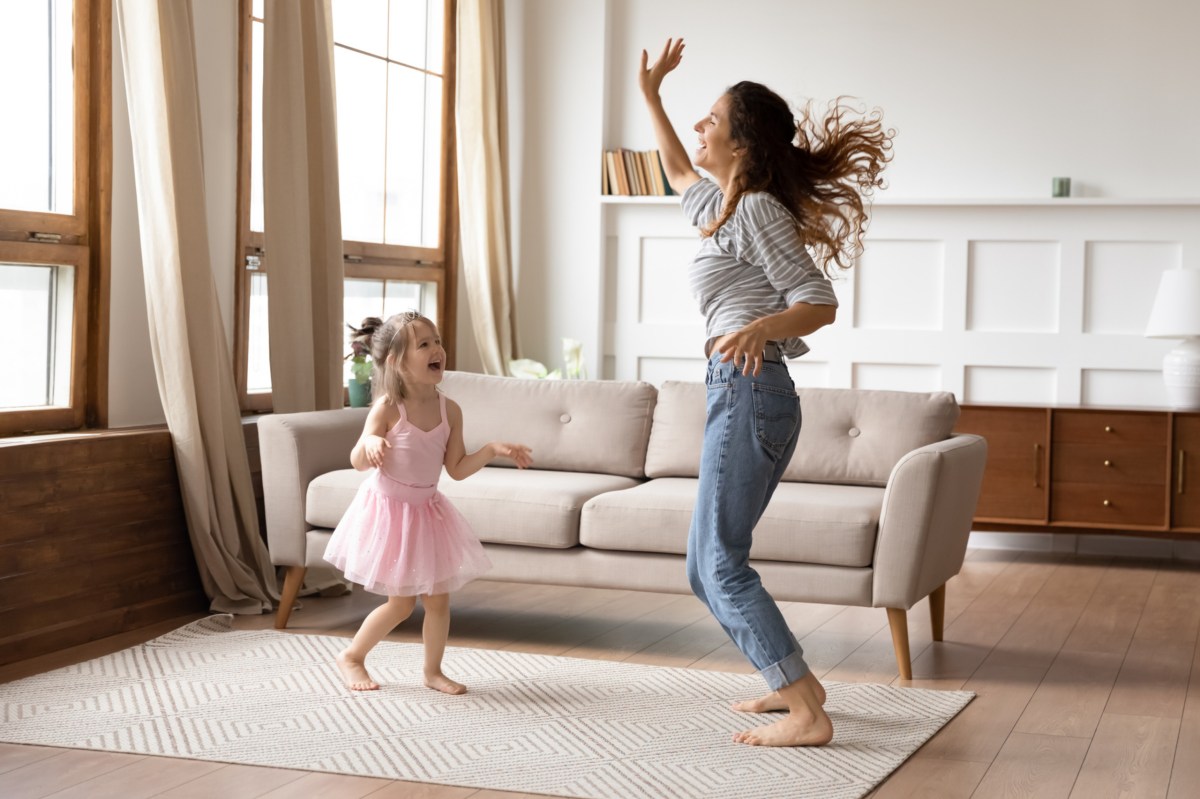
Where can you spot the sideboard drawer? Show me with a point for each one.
(1109, 463)
(1115, 427)
(1092, 503)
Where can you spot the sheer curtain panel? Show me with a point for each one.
(191, 357)
(483, 181)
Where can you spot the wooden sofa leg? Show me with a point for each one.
(898, 621)
(291, 589)
(937, 611)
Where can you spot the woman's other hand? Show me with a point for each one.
(651, 78)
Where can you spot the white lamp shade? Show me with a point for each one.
(1176, 312)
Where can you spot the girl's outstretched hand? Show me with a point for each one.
(651, 78)
(517, 453)
(373, 448)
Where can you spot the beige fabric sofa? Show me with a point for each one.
(875, 508)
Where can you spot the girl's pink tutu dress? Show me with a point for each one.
(401, 536)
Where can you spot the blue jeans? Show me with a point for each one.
(749, 438)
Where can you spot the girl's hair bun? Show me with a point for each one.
(366, 328)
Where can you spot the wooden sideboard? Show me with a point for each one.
(1074, 468)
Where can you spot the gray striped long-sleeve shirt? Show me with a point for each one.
(753, 266)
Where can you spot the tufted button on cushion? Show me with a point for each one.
(566, 417)
(853, 432)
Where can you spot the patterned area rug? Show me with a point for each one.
(531, 723)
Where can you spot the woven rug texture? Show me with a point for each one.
(530, 723)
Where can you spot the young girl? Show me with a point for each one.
(400, 536)
(778, 186)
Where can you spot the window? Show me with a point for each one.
(393, 64)
(55, 163)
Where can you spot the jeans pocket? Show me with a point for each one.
(776, 416)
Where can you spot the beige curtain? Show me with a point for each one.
(483, 181)
(191, 357)
(302, 224)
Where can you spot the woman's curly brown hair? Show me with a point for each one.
(821, 168)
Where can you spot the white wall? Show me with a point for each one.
(989, 100)
(132, 389)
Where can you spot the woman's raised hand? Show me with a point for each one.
(651, 78)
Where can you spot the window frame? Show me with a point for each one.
(364, 260)
(80, 239)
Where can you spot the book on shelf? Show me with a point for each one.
(634, 173)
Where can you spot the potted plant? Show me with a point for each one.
(359, 384)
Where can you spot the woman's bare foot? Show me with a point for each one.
(773, 701)
(440, 682)
(354, 673)
(798, 728)
(806, 724)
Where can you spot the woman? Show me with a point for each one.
(778, 188)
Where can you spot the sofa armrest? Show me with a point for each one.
(295, 448)
(928, 507)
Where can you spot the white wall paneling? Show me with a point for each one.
(1010, 301)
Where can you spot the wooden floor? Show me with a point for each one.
(1087, 672)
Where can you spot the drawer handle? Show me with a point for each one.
(1108, 428)
(1037, 465)
(1107, 503)
(1180, 471)
(1108, 463)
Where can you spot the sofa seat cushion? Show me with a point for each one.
(329, 495)
(504, 506)
(805, 523)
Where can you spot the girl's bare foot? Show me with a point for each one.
(797, 728)
(354, 673)
(440, 682)
(773, 701)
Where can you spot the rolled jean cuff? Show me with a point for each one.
(785, 672)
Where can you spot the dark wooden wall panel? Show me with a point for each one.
(93, 540)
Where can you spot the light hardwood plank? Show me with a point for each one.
(149, 776)
(930, 778)
(1130, 757)
(234, 782)
(560, 635)
(1035, 638)
(1172, 611)
(68, 768)
(1072, 696)
(1185, 771)
(1112, 614)
(327, 786)
(685, 646)
(398, 789)
(1153, 680)
(13, 756)
(823, 650)
(622, 642)
(979, 732)
(1034, 767)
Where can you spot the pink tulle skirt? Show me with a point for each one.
(403, 540)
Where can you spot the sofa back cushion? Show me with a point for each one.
(600, 426)
(851, 436)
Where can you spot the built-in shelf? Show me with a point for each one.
(613, 199)
(643, 199)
